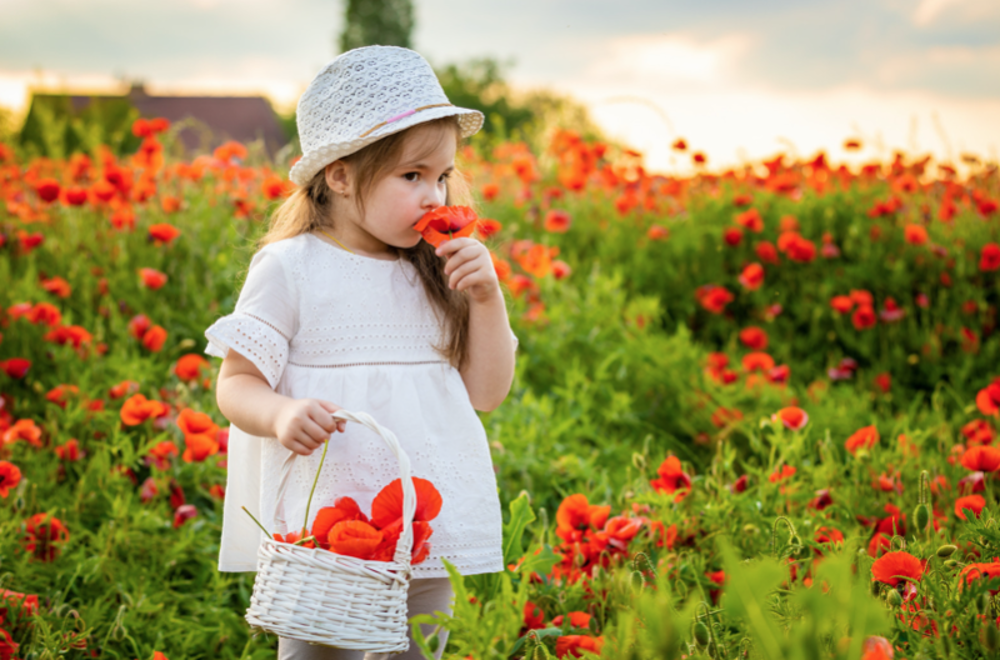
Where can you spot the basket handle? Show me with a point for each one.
(405, 543)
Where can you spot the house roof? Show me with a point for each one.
(241, 118)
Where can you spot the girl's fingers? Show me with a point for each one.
(463, 271)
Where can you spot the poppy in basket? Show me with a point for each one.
(354, 538)
(388, 504)
(445, 223)
(344, 509)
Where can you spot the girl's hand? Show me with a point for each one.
(302, 425)
(470, 268)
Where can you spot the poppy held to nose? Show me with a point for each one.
(445, 223)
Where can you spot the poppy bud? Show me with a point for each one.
(984, 602)
(946, 551)
(541, 653)
(701, 634)
(951, 563)
(893, 599)
(877, 589)
(922, 517)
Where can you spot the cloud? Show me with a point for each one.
(665, 60)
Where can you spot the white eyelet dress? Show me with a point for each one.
(320, 322)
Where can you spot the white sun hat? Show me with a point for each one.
(364, 95)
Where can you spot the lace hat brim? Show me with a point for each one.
(469, 121)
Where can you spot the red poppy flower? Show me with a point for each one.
(894, 567)
(988, 399)
(47, 190)
(782, 473)
(190, 366)
(10, 477)
(274, 187)
(184, 513)
(757, 362)
(981, 458)
(560, 269)
(989, 258)
(354, 538)
(973, 502)
(138, 409)
(976, 571)
(123, 388)
(863, 317)
(792, 417)
(163, 233)
(386, 549)
(575, 516)
(154, 338)
(138, 325)
(488, 227)
(557, 221)
(46, 313)
(767, 253)
(445, 223)
(672, 477)
(574, 645)
(537, 261)
(915, 234)
(884, 382)
(490, 191)
(388, 504)
(863, 438)
(534, 617)
(713, 298)
(657, 233)
(69, 451)
(751, 220)
(754, 338)
(15, 367)
(44, 535)
(877, 648)
(577, 619)
(152, 279)
(23, 429)
(76, 196)
(752, 277)
(733, 236)
(57, 286)
(345, 508)
(159, 456)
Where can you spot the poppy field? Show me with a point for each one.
(754, 413)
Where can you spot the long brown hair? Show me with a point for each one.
(310, 208)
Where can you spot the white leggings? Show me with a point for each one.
(425, 596)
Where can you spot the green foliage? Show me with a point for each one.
(54, 129)
(376, 22)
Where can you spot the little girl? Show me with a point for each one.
(345, 306)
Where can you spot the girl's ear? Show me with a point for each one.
(338, 177)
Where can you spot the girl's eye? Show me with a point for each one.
(444, 177)
(411, 176)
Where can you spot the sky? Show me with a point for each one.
(738, 79)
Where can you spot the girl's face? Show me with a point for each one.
(415, 186)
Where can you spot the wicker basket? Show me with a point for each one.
(318, 596)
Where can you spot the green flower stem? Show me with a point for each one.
(258, 522)
(322, 459)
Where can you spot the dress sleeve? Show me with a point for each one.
(264, 321)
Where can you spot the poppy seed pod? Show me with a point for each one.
(893, 599)
(946, 551)
(922, 517)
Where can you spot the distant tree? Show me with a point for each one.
(376, 22)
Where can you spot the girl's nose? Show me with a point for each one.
(435, 197)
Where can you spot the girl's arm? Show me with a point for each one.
(489, 368)
(249, 403)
